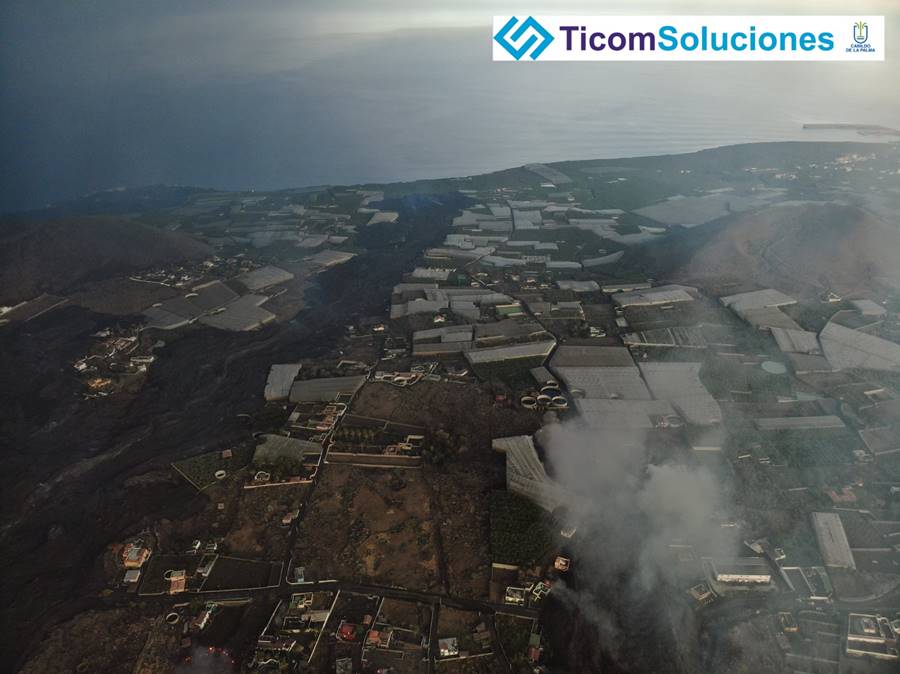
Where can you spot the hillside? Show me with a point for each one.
(55, 256)
(800, 248)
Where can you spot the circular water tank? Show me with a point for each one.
(544, 399)
(559, 402)
(220, 474)
(674, 421)
(774, 367)
(528, 402)
(173, 618)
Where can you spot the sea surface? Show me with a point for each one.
(235, 111)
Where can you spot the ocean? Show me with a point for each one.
(217, 111)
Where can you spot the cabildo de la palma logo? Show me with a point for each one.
(688, 38)
(860, 39)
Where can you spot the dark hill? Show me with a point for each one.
(55, 256)
(803, 249)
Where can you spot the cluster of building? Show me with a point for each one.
(294, 630)
(135, 554)
(188, 274)
(117, 357)
(514, 296)
(785, 389)
(519, 233)
(219, 305)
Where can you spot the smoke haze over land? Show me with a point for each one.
(632, 510)
(627, 514)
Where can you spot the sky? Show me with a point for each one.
(29, 20)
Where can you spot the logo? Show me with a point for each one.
(535, 31)
(860, 43)
(528, 38)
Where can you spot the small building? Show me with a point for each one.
(742, 571)
(433, 273)
(202, 620)
(380, 638)
(135, 555)
(871, 636)
(448, 648)
(702, 594)
(562, 564)
(787, 622)
(132, 575)
(348, 631)
(516, 596)
(177, 581)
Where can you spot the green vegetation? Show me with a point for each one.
(369, 439)
(814, 447)
(513, 634)
(281, 467)
(521, 531)
(201, 470)
(439, 448)
(800, 543)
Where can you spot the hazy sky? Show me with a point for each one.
(350, 16)
(47, 38)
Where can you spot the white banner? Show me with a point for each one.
(688, 38)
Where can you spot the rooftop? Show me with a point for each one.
(659, 295)
(591, 356)
(790, 340)
(280, 379)
(525, 473)
(497, 353)
(245, 313)
(846, 348)
(680, 384)
(799, 423)
(627, 414)
(274, 447)
(264, 277)
(832, 540)
(757, 299)
(326, 389)
(578, 286)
